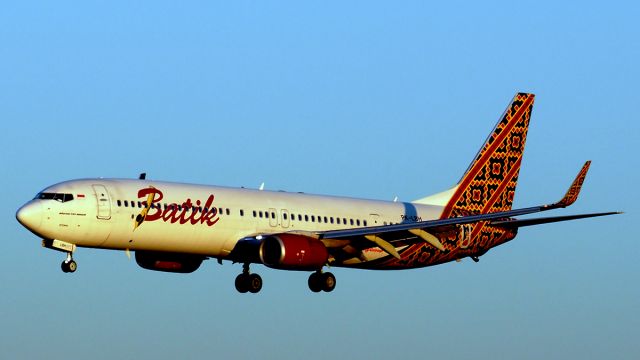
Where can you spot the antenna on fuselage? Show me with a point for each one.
(142, 176)
(261, 186)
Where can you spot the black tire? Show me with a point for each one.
(315, 283)
(328, 282)
(254, 283)
(242, 283)
(64, 267)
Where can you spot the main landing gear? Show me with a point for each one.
(319, 281)
(69, 265)
(247, 282)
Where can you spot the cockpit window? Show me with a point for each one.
(55, 196)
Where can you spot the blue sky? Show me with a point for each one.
(368, 99)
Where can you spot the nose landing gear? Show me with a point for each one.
(69, 265)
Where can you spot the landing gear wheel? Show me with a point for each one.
(242, 283)
(314, 282)
(247, 282)
(328, 282)
(72, 266)
(254, 283)
(69, 266)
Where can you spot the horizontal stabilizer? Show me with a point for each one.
(547, 220)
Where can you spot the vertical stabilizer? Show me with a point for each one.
(489, 184)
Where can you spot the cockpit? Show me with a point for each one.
(54, 196)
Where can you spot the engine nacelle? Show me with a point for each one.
(169, 262)
(293, 252)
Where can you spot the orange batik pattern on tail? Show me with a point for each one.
(488, 186)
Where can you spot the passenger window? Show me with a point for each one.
(254, 213)
(325, 220)
(260, 213)
(313, 218)
(351, 221)
(284, 216)
(364, 222)
(119, 203)
(358, 222)
(306, 218)
(299, 217)
(241, 212)
(228, 211)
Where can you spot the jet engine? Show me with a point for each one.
(168, 262)
(293, 252)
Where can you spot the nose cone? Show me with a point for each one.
(30, 215)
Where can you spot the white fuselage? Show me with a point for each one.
(102, 214)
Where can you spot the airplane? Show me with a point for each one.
(174, 227)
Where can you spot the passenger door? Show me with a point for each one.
(104, 202)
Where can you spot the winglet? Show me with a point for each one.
(574, 190)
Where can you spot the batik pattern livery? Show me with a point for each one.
(488, 186)
(572, 194)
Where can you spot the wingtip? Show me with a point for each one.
(574, 190)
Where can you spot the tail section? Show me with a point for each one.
(489, 184)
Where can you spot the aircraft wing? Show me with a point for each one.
(389, 237)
